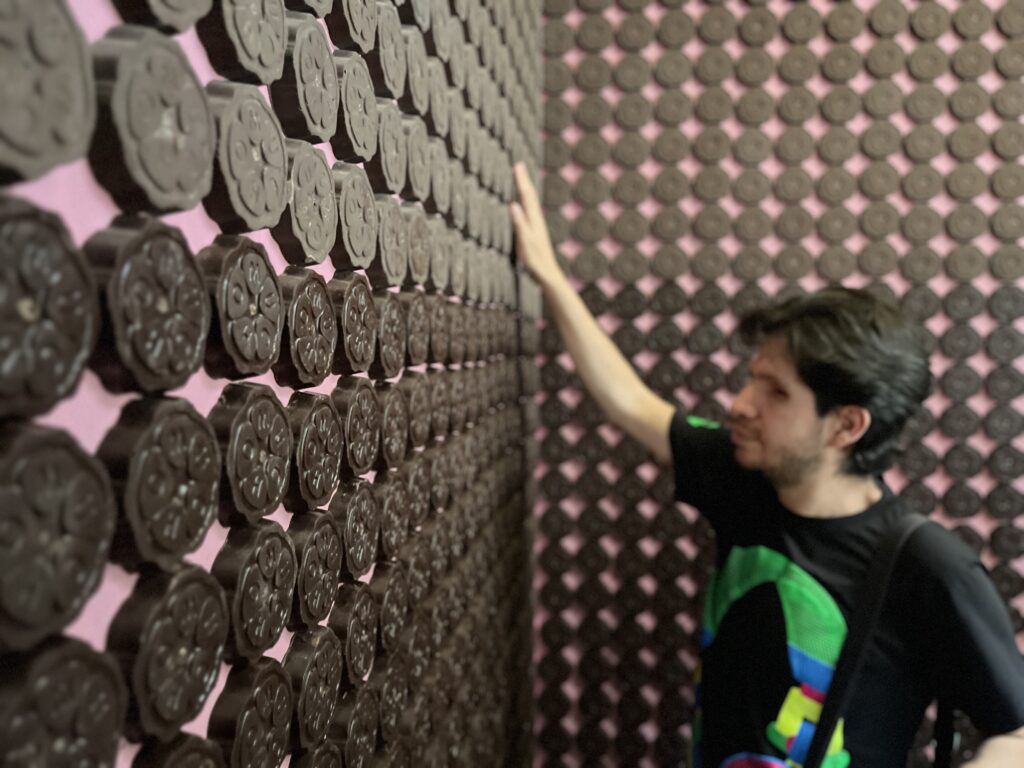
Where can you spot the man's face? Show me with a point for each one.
(775, 427)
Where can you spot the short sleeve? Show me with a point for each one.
(978, 667)
(707, 476)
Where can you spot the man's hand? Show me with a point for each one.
(533, 243)
(1005, 751)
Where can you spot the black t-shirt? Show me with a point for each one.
(776, 613)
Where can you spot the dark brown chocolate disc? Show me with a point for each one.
(392, 263)
(50, 314)
(440, 474)
(58, 500)
(250, 180)
(184, 751)
(440, 254)
(356, 243)
(357, 404)
(387, 59)
(327, 755)
(308, 233)
(391, 337)
(246, 334)
(440, 341)
(355, 509)
(169, 636)
(311, 331)
(393, 502)
(50, 111)
(458, 396)
(157, 308)
(418, 151)
(354, 620)
(257, 567)
(357, 316)
(165, 457)
(417, 320)
(245, 39)
(394, 427)
(440, 404)
(319, 450)
(355, 725)
(417, 85)
(356, 138)
(421, 243)
(256, 441)
(252, 717)
(387, 170)
(417, 396)
(306, 98)
(314, 663)
(318, 549)
(353, 24)
(416, 473)
(64, 701)
(391, 592)
(155, 142)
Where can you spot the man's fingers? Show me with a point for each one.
(527, 193)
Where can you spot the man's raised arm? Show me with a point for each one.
(607, 375)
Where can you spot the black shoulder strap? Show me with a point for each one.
(862, 627)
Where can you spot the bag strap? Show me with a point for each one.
(862, 627)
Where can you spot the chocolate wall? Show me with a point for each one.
(265, 366)
(700, 159)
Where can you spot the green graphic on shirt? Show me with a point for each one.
(701, 422)
(815, 631)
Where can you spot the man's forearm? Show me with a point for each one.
(607, 375)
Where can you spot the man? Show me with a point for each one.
(792, 488)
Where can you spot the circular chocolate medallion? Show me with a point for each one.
(59, 512)
(169, 636)
(357, 404)
(165, 457)
(356, 243)
(417, 321)
(246, 335)
(50, 314)
(63, 702)
(157, 308)
(356, 139)
(252, 717)
(318, 547)
(306, 99)
(357, 315)
(250, 185)
(246, 39)
(355, 509)
(387, 170)
(387, 59)
(354, 620)
(311, 332)
(314, 663)
(307, 234)
(254, 436)
(391, 336)
(394, 427)
(319, 450)
(353, 24)
(392, 264)
(155, 143)
(257, 567)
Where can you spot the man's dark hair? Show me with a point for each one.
(852, 348)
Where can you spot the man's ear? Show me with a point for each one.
(849, 423)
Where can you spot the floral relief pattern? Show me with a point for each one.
(314, 209)
(180, 652)
(393, 244)
(319, 453)
(359, 110)
(160, 309)
(57, 515)
(263, 600)
(359, 325)
(259, 34)
(173, 485)
(358, 210)
(392, 336)
(261, 738)
(68, 712)
(394, 428)
(253, 160)
(49, 314)
(49, 114)
(314, 330)
(168, 131)
(319, 690)
(318, 81)
(416, 473)
(321, 564)
(357, 514)
(251, 311)
(258, 452)
(362, 428)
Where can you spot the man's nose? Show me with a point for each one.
(743, 404)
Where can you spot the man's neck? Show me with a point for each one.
(834, 495)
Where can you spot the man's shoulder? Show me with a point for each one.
(938, 553)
